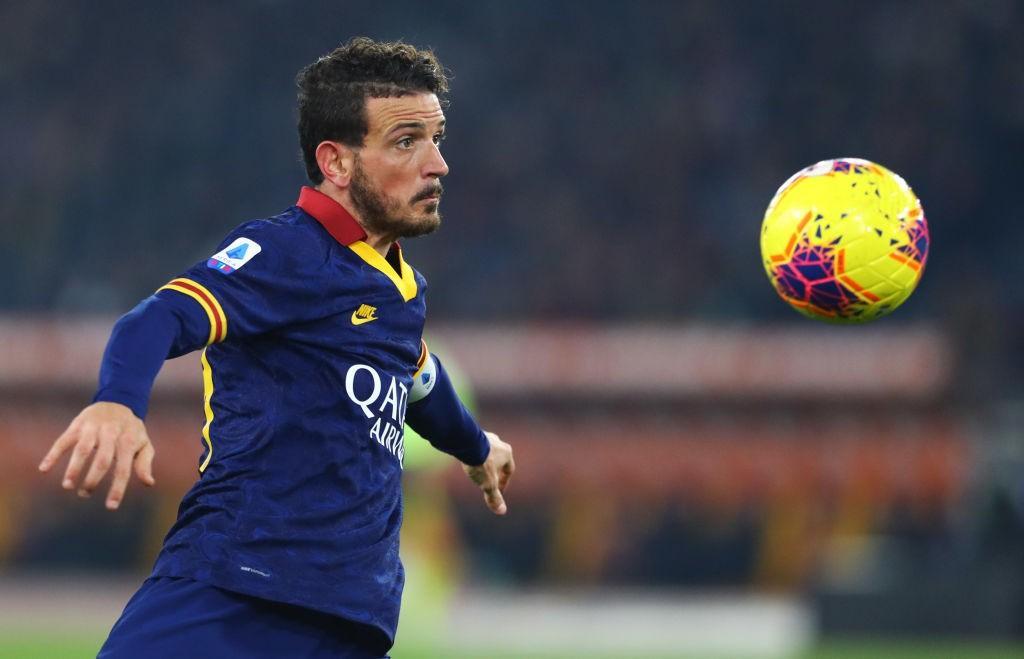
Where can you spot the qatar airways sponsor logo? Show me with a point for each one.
(383, 401)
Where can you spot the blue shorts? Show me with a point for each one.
(170, 618)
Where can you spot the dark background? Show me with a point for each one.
(632, 145)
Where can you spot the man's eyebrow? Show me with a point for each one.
(417, 125)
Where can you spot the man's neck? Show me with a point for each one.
(380, 244)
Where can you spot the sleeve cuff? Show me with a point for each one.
(138, 405)
(476, 454)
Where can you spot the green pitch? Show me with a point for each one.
(39, 645)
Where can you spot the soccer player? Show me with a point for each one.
(311, 327)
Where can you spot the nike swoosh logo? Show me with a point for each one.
(358, 320)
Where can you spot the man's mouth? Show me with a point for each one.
(429, 195)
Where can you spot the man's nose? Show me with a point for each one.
(435, 165)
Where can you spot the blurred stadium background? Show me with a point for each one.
(701, 471)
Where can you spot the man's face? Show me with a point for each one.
(396, 186)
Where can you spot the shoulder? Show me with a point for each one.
(284, 240)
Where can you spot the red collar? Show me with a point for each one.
(332, 215)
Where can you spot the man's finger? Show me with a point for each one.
(144, 464)
(494, 501)
(82, 451)
(101, 462)
(63, 443)
(122, 473)
(505, 473)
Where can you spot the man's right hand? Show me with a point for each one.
(111, 435)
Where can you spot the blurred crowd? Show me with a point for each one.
(609, 160)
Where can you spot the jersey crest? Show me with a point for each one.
(234, 256)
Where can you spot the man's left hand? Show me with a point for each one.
(493, 475)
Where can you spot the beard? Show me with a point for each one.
(388, 217)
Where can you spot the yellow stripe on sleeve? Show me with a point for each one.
(219, 310)
(202, 303)
(214, 312)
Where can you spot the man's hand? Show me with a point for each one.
(492, 476)
(111, 435)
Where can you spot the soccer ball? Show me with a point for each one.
(844, 241)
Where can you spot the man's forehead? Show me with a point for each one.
(387, 113)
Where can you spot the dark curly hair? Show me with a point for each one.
(333, 90)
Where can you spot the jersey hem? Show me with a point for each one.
(239, 586)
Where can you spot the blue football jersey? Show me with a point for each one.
(312, 343)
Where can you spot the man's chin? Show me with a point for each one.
(427, 223)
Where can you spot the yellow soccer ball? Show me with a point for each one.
(844, 241)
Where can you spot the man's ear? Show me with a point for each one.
(336, 162)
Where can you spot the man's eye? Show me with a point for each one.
(406, 142)
(439, 138)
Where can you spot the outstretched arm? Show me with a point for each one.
(187, 313)
(436, 413)
(110, 432)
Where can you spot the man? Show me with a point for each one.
(311, 323)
